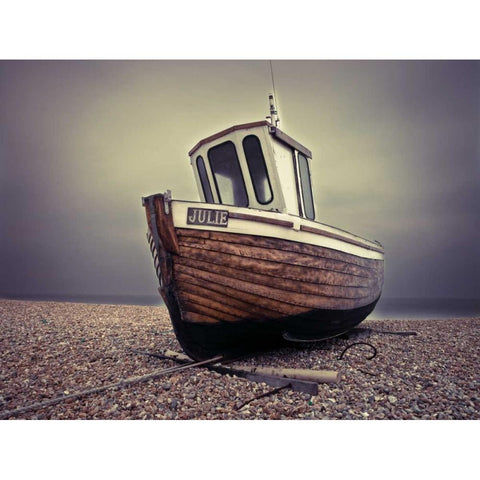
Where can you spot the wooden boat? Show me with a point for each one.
(250, 266)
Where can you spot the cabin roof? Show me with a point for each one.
(276, 132)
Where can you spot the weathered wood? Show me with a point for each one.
(288, 298)
(274, 381)
(225, 312)
(315, 272)
(226, 288)
(240, 256)
(165, 226)
(312, 282)
(295, 384)
(270, 254)
(205, 307)
(183, 274)
(158, 252)
(279, 244)
(220, 295)
(177, 356)
(318, 376)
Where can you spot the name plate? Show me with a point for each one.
(207, 217)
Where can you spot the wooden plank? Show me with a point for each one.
(159, 253)
(275, 381)
(289, 298)
(330, 287)
(186, 275)
(220, 294)
(218, 308)
(273, 255)
(279, 244)
(165, 227)
(191, 305)
(204, 249)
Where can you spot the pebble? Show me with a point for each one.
(50, 348)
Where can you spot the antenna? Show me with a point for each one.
(274, 118)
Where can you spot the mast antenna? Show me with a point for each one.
(274, 118)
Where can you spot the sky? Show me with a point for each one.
(396, 158)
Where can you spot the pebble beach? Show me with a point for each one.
(51, 350)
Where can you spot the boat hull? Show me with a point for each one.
(202, 341)
(229, 290)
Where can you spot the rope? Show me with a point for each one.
(271, 392)
(370, 358)
(359, 343)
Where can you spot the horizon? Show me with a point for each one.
(406, 307)
(126, 295)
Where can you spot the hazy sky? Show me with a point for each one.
(396, 158)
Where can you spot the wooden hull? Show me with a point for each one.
(231, 290)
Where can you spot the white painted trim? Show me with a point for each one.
(248, 227)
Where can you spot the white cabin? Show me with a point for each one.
(255, 165)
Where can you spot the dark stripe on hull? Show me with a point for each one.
(231, 339)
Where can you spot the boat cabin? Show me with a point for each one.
(254, 165)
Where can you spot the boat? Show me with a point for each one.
(250, 266)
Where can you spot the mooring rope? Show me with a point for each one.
(359, 343)
(266, 394)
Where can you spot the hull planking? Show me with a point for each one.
(244, 284)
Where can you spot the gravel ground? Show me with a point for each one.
(51, 349)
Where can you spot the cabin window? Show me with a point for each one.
(228, 175)
(306, 187)
(202, 172)
(257, 168)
